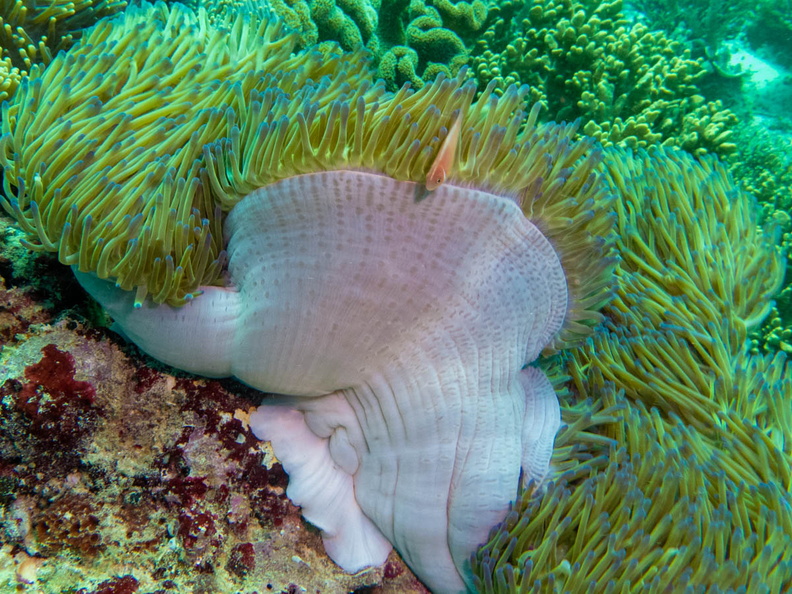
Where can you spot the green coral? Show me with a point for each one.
(350, 23)
(297, 15)
(583, 59)
(427, 49)
(400, 65)
(410, 40)
(689, 482)
(467, 18)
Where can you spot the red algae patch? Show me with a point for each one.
(59, 409)
(122, 585)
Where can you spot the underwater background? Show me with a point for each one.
(674, 468)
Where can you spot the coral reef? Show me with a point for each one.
(431, 42)
(654, 399)
(674, 467)
(50, 406)
(769, 28)
(34, 32)
(630, 85)
(719, 30)
(409, 40)
(583, 59)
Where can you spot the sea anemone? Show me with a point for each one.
(389, 262)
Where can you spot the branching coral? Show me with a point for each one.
(584, 60)
(34, 32)
(695, 488)
(436, 47)
(349, 23)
